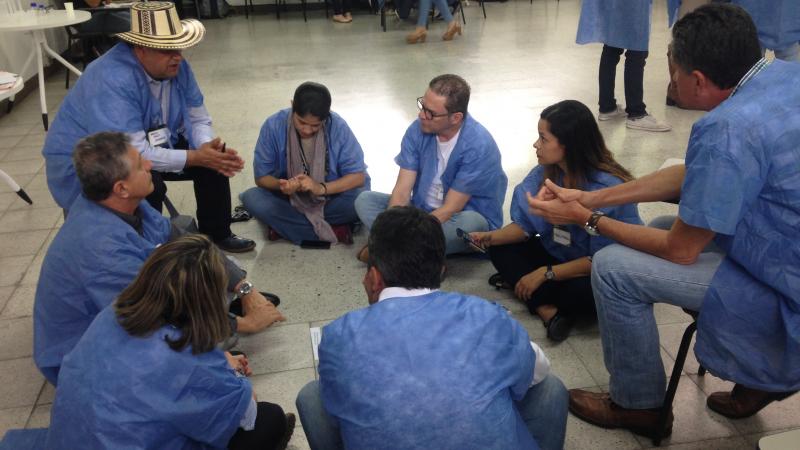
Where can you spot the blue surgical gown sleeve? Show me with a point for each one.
(107, 270)
(723, 176)
(350, 154)
(265, 161)
(410, 147)
(472, 177)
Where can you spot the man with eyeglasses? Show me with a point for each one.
(449, 167)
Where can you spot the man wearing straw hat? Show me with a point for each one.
(144, 88)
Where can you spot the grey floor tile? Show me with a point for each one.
(279, 348)
(20, 383)
(41, 199)
(20, 153)
(583, 435)
(791, 435)
(13, 269)
(47, 395)
(298, 441)
(13, 418)
(10, 141)
(281, 388)
(30, 219)
(20, 305)
(21, 243)
(40, 418)
(22, 167)
(16, 337)
(671, 335)
(565, 363)
(732, 443)
(5, 295)
(590, 351)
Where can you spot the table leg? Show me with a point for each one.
(58, 57)
(40, 66)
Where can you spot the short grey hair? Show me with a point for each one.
(100, 161)
(454, 89)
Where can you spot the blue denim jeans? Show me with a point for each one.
(626, 284)
(424, 11)
(543, 409)
(274, 209)
(370, 204)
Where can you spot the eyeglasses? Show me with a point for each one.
(430, 115)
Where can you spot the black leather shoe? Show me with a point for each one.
(236, 244)
(559, 326)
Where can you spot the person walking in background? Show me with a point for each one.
(621, 26)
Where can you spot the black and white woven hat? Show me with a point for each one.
(157, 25)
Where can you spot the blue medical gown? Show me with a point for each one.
(117, 391)
(437, 371)
(113, 94)
(743, 182)
(581, 244)
(474, 168)
(345, 155)
(777, 21)
(94, 256)
(617, 23)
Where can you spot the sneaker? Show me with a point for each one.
(647, 123)
(618, 112)
(236, 244)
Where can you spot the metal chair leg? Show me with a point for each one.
(483, 7)
(674, 379)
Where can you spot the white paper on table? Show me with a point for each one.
(316, 337)
(7, 77)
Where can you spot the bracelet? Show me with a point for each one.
(324, 186)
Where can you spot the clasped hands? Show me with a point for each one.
(301, 183)
(215, 155)
(561, 206)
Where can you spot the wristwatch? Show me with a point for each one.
(591, 224)
(549, 275)
(244, 288)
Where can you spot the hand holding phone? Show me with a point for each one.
(471, 242)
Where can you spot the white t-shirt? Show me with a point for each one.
(435, 196)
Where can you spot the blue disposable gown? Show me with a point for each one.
(617, 23)
(344, 152)
(777, 21)
(94, 256)
(113, 94)
(474, 168)
(437, 371)
(743, 182)
(117, 391)
(581, 244)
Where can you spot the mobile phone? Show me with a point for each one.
(471, 242)
(315, 244)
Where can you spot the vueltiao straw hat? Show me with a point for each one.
(157, 25)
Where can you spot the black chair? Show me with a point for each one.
(303, 3)
(81, 47)
(672, 387)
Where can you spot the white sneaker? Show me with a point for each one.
(619, 112)
(647, 123)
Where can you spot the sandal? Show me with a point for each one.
(497, 281)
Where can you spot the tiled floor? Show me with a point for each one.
(519, 60)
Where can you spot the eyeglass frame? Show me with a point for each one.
(429, 114)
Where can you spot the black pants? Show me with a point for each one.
(212, 192)
(634, 80)
(342, 6)
(270, 428)
(513, 261)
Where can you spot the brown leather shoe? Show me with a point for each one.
(742, 401)
(600, 410)
(363, 254)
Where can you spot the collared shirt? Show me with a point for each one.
(540, 370)
(134, 220)
(755, 70)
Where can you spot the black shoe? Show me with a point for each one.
(240, 214)
(287, 435)
(497, 281)
(236, 244)
(559, 326)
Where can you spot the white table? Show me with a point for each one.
(10, 93)
(36, 24)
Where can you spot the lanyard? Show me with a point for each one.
(303, 159)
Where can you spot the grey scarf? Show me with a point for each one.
(307, 203)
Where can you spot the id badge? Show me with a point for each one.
(158, 137)
(561, 236)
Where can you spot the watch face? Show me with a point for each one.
(549, 275)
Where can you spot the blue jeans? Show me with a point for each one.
(626, 283)
(424, 10)
(543, 409)
(370, 204)
(274, 209)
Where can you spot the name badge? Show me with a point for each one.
(561, 236)
(158, 137)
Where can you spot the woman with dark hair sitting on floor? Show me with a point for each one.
(548, 267)
(148, 372)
